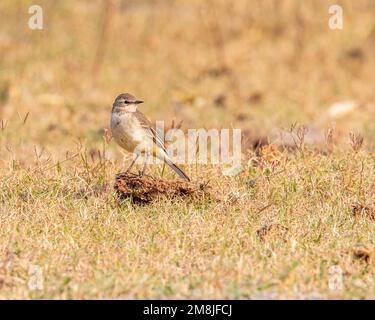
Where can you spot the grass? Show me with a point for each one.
(279, 226)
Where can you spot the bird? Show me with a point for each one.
(135, 133)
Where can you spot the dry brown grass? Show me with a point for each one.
(256, 65)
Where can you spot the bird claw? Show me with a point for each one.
(142, 174)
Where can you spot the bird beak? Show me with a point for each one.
(138, 101)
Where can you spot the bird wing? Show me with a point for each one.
(153, 134)
(149, 128)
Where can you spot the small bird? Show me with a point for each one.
(132, 130)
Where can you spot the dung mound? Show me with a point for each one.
(145, 189)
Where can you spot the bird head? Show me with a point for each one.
(126, 102)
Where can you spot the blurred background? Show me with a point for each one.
(256, 65)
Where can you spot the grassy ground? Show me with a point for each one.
(281, 226)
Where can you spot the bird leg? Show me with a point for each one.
(132, 164)
(145, 164)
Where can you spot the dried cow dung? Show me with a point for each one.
(144, 189)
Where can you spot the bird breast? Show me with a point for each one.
(126, 130)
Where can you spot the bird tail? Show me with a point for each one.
(177, 169)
